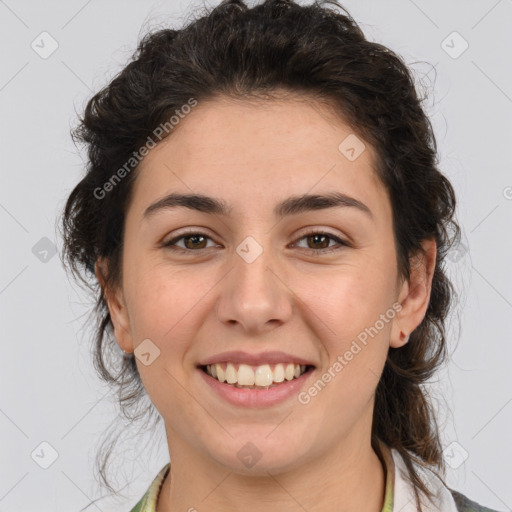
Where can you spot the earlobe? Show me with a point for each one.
(117, 308)
(414, 296)
(400, 341)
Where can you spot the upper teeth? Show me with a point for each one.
(263, 375)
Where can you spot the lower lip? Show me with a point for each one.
(256, 397)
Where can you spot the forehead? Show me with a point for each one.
(269, 130)
(250, 152)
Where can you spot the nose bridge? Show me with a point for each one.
(252, 273)
(252, 263)
(253, 293)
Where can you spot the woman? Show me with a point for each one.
(267, 226)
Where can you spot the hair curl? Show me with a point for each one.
(240, 52)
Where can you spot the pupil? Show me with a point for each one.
(194, 237)
(315, 237)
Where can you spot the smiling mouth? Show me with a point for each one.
(255, 377)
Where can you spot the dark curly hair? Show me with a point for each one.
(238, 52)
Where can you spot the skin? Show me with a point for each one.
(210, 300)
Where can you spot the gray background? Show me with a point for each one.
(49, 390)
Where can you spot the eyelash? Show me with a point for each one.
(315, 252)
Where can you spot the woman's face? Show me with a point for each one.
(257, 279)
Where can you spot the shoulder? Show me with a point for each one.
(443, 497)
(464, 504)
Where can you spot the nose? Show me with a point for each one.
(254, 294)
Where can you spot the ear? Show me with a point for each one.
(117, 307)
(414, 294)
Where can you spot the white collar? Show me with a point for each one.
(403, 493)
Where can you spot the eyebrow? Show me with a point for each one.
(290, 206)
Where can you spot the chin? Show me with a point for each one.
(259, 456)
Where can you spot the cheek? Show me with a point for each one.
(159, 299)
(355, 340)
(351, 312)
(347, 300)
(161, 303)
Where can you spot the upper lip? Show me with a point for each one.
(237, 356)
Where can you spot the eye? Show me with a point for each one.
(192, 240)
(196, 240)
(320, 238)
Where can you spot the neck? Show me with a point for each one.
(347, 479)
